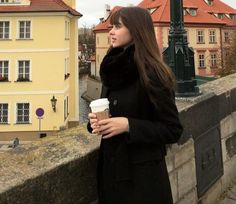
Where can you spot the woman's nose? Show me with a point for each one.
(111, 32)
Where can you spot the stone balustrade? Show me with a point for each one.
(61, 169)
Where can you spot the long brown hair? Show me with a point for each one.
(147, 55)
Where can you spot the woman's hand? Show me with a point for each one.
(93, 122)
(112, 126)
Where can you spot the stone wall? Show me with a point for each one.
(61, 169)
(54, 170)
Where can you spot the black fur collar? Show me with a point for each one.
(118, 68)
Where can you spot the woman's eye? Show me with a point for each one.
(109, 27)
(117, 26)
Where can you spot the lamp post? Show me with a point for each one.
(178, 55)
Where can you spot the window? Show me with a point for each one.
(22, 112)
(4, 29)
(67, 30)
(201, 60)
(232, 16)
(226, 37)
(209, 2)
(97, 40)
(3, 113)
(23, 70)
(4, 70)
(213, 61)
(192, 12)
(200, 36)
(25, 29)
(66, 107)
(4, 1)
(220, 15)
(212, 36)
(67, 74)
(151, 10)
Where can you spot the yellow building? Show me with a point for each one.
(209, 25)
(38, 67)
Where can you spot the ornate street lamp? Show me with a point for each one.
(178, 55)
(53, 103)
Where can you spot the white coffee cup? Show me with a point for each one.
(100, 107)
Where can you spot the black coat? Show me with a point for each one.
(131, 168)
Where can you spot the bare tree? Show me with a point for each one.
(229, 66)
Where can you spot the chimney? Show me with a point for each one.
(107, 11)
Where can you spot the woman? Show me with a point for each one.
(144, 117)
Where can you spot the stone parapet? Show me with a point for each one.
(61, 168)
(57, 169)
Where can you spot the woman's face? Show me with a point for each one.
(120, 35)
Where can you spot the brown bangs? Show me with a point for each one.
(115, 18)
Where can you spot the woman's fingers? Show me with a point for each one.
(93, 122)
(92, 115)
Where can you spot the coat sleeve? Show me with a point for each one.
(89, 127)
(165, 128)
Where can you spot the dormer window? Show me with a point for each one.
(185, 12)
(232, 16)
(209, 2)
(220, 15)
(227, 15)
(151, 10)
(192, 11)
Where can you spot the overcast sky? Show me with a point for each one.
(92, 10)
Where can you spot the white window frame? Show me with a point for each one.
(67, 67)
(3, 60)
(192, 11)
(30, 69)
(18, 30)
(67, 29)
(212, 36)
(201, 61)
(16, 115)
(66, 107)
(4, 2)
(200, 36)
(220, 15)
(232, 16)
(4, 30)
(213, 60)
(8, 119)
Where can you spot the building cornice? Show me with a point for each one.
(38, 13)
(34, 50)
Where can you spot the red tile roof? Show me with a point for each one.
(162, 13)
(218, 6)
(40, 6)
(104, 24)
(189, 4)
